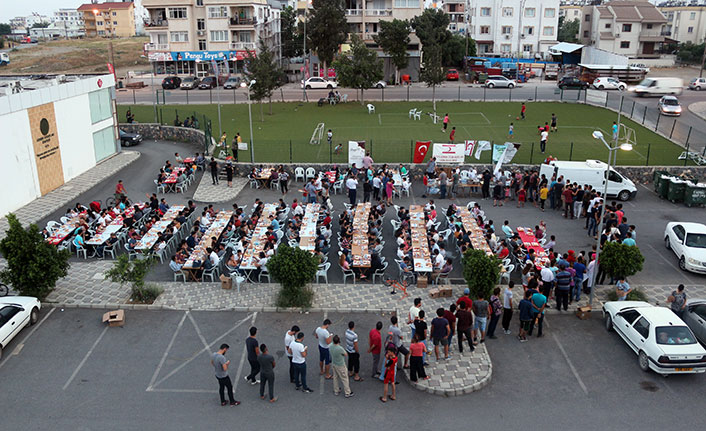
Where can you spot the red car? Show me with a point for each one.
(452, 75)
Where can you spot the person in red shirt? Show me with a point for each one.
(451, 317)
(375, 342)
(416, 362)
(546, 126)
(568, 202)
(466, 299)
(505, 252)
(452, 135)
(119, 190)
(523, 110)
(390, 369)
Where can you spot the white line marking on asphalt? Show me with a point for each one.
(242, 358)
(197, 391)
(571, 365)
(18, 349)
(166, 352)
(681, 273)
(198, 330)
(85, 358)
(29, 334)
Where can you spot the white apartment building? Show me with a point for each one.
(634, 29)
(69, 17)
(186, 35)
(24, 23)
(511, 27)
(571, 12)
(685, 23)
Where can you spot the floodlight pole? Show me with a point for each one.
(252, 144)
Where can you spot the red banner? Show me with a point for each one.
(420, 151)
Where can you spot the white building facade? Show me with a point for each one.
(685, 23)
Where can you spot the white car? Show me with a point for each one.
(662, 341)
(499, 81)
(380, 84)
(697, 84)
(16, 312)
(318, 82)
(669, 105)
(607, 83)
(688, 242)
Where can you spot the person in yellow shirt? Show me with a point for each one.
(543, 193)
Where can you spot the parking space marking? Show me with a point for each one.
(182, 391)
(198, 330)
(85, 358)
(242, 357)
(29, 334)
(571, 365)
(166, 352)
(678, 270)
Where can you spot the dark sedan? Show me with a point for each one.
(208, 82)
(129, 139)
(572, 82)
(171, 82)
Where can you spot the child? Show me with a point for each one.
(521, 196)
(338, 148)
(390, 369)
(543, 193)
(510, 130)
(540, 129)
(525, 307)
(546, 127)
(553, 122)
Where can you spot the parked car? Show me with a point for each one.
(189, 83)
(318, 82)
(695, 317)
(232, 82)
(608, 83)
(452, 75)
(572, 82)
(16, 312)
(662, 341)
(171, 82)
(129, 139)
(380, 84)
(688, 242)
(697, 84)
(669, 105)
(208, 82)
(499, 81)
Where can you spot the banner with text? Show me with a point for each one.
(449, 154)
(46, 147)
(356, 152)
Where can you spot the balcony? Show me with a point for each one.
(237, 21)
(156, 24)
(157, 47)
(354, 12)
(378, 12)
(240, 46)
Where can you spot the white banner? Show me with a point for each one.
(480, 147)
(356, 152)
(449, 154)
(469, 147)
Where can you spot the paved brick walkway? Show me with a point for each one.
(207, 192)
(86, 285)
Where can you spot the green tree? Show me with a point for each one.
(292, 40)
(481, 272)
(263, 68)
(294, 269)
(326, 29)
(568, 30)
(432, 73)
(125, 271)
(5, 28)
(454, 49)
(621, 260)
(40, 25)
(690, 53)
(359, 69)
(33, 265)
(393, 38)
(431, 27)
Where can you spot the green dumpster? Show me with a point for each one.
(663, 186)
(695, 195)
(655, 177)
(676, 190)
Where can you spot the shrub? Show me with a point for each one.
(33, 265)
(634, 295)
(125, 271)
(621, 260)
(293, 268)
(146, 294)
(481, 272)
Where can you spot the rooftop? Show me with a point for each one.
(105, 6)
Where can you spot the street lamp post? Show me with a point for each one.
(611, 159)
(252, 146)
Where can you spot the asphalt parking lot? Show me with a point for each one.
(72, 372)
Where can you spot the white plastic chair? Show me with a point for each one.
(338, 187)
(405, 190)
(299, 173)
(345, 98)
(395, 224)
(178, 274)
(371, 108)
(52, 226)
(160, 187)
(418, 115)
(323, 271)
(380, 272)
(265, 274)
(412, 112)
(310, 173)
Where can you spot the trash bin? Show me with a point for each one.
(663, 186)
(482, 78)
(695, 194)
(655, 177)
(676, 190)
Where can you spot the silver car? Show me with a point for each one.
(669, 105)
(695, 317)
(697, 84)
(499, 81)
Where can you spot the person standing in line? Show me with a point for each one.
(538, 301)
(420, 330)
(375, 347)
(464, 322)
(234, 148)
(299, 351)
(451, 317)
(543, 141)
(526, 314)
(677, 301)
(563, 288)
(416, 361)
(394, 336)
(440, 333)
(377, 184)
(283, 181)
(353, 352)
(352, 186)
(367, 190)
(553, 128)
(390, 370)
(267, 372)
(214, 171)
(446, 122)
(229, 174)
(443, 180)
(507, 307)
(252, 346)
(523, 110)
(496, 311)
(324, 336)
(455, 180)
(481, 309)
(340, 374)
(220, 364)
(288, 338)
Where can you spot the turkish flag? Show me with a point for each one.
(420, 151)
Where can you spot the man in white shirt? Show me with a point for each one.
(213, 256)
(438, 260)
(288, 339)
(543, 140)
(324, 336)
(377, 184)
(507, 307)
(299, 352)
(352, 186)
(547, 277)
(414, 312)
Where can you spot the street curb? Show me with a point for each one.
(700, 114)
(151, 307)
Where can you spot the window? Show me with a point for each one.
(104, 143)
(217, 12)
(679, 232)
(407, 3)
(692, 16)
(642, 327)
(484, 29)
(527, 48)
(100, 105)
(690, 30)
(115, 23)
(177, 12)
(625, 44)
(627, 28)
(587, 17)
(199, 2)
(507, 29)
(528, 30)
(614, 176)
(219, 36)
(115, 14)
(202, 45)
(608, 25)
(530, 12)
(7, 313)
(99, 23)
(629, 315)
(179, 36)
(485, 11)
(548, 31)
(576, 13)
(244, 36)
(585, 33)
(101, 33)
(200, 24)
(507, 11)
(699, 310)
(549, 13)
(505, 47)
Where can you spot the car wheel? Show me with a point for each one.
(600, 87)
(490, 85)
(624, 195)
(621, 88)
(666, 243)
(308, 87)
(698, 88)
(608, 323)
(643, 361)
(682, 263)
(329, 86)
(34, 316)
(510, 85)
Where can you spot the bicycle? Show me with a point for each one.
(112, 201)
(4, 290)
(397, 285)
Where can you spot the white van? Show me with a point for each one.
(659, 86)
(591, 172)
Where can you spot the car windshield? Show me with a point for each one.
(697, 240)
(646, 82)
(674, 335)
(672, 102)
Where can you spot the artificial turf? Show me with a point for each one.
(389, 132)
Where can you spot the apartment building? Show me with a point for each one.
(686, 22)
(455, 10)
(186, 35)
(110, 19)
(68, 17)
(510, 28)
(634, 29)
(571, 12)
(24, 23)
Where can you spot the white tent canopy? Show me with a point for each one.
(565, 48)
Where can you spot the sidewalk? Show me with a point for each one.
(698, 109)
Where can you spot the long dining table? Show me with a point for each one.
(258, 239)
(420, 243)
(529, 242)
(475, 232)
(359, 244)
(199, 253)
(307, 231)
(149, 239)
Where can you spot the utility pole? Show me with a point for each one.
(703, 61)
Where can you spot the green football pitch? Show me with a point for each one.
(390, 134)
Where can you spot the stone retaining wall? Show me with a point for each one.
(166, 133)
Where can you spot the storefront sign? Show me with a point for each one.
(199, 55)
